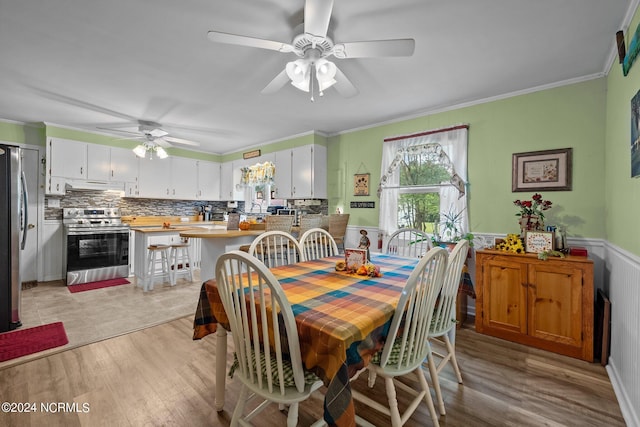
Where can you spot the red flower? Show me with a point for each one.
(533, 207)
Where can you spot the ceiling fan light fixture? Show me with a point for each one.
(150, 147)
(161, 153)
(298, 73)
(140, 151)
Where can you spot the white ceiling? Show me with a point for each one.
(89, 64)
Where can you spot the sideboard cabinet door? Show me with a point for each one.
(546, 304)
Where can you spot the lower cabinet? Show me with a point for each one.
(546, 304)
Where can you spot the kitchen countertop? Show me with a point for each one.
(175, 221)
(163, 229)
(202, 233)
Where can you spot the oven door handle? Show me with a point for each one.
(90, 232)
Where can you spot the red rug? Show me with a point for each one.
(96, 285)
(21, 342)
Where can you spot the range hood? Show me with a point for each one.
(94, 185)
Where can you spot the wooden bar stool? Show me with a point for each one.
(153, 269)
(180, 261)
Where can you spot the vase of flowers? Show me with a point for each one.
(532, 213)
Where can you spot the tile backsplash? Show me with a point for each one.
(141, 207)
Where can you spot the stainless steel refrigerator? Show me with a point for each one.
(13, 230)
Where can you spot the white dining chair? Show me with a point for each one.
(276, 248)
(408, 242)
(444, 319)
(406, 345)
(318, 243)
(254, 301)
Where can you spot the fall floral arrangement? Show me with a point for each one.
(367, 269)
(512, 243)
(535, 206)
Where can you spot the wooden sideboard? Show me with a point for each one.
(546, 304)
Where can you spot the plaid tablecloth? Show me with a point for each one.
(341, 319)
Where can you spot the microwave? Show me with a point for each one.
(293, 212)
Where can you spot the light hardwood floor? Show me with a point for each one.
(104, 313)
(160, 376)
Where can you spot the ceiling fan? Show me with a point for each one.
(313, 47)
(155, 139)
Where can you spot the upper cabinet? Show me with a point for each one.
(124, 165)
(66, 158)
(93, 166)
(154, 179)
(179, 178)
(184, 178)
(301, 173)
(208, 181)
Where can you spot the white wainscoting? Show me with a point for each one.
(622, 285)
(617, 273)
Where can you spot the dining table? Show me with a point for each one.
(341, 317)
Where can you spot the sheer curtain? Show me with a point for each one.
(453, 142)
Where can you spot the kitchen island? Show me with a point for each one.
(215, 242)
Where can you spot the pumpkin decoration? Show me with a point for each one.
(244, 225)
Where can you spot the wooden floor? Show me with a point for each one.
(159, 376)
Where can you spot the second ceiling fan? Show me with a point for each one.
(313, 47)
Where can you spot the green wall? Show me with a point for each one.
(567, 116)
(23, 134)
(622, 198)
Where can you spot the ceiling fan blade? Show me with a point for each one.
(375, 48)
(128, 132)
(162, 143)
(218, 37)
(343, 86)
(180, 141)
(317, 14)
(276, 84)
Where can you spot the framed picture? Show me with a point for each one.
(354, 258)
(548, 170)
(539, 241)
(361, 184)
(251, 154)
(635, 135)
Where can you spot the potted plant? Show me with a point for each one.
(448, 231)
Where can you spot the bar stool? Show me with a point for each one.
(152, 268)
(180, 261)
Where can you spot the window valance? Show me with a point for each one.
(258, 174)
(434, 153)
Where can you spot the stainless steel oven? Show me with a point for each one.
(96, 245)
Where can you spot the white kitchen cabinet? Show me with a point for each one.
(124, 165)
(98, 162)
(184, 178)
(66, 158)
(55, 186)
(301, 173)
(282, 188)
(154, 178)
(229, 179)
(53, 267)
(208, 180)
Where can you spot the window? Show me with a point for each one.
(423, 180)
(421, 176)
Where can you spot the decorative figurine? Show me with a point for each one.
(365, 243)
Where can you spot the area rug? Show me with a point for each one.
(22, 342)
(96, 285)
